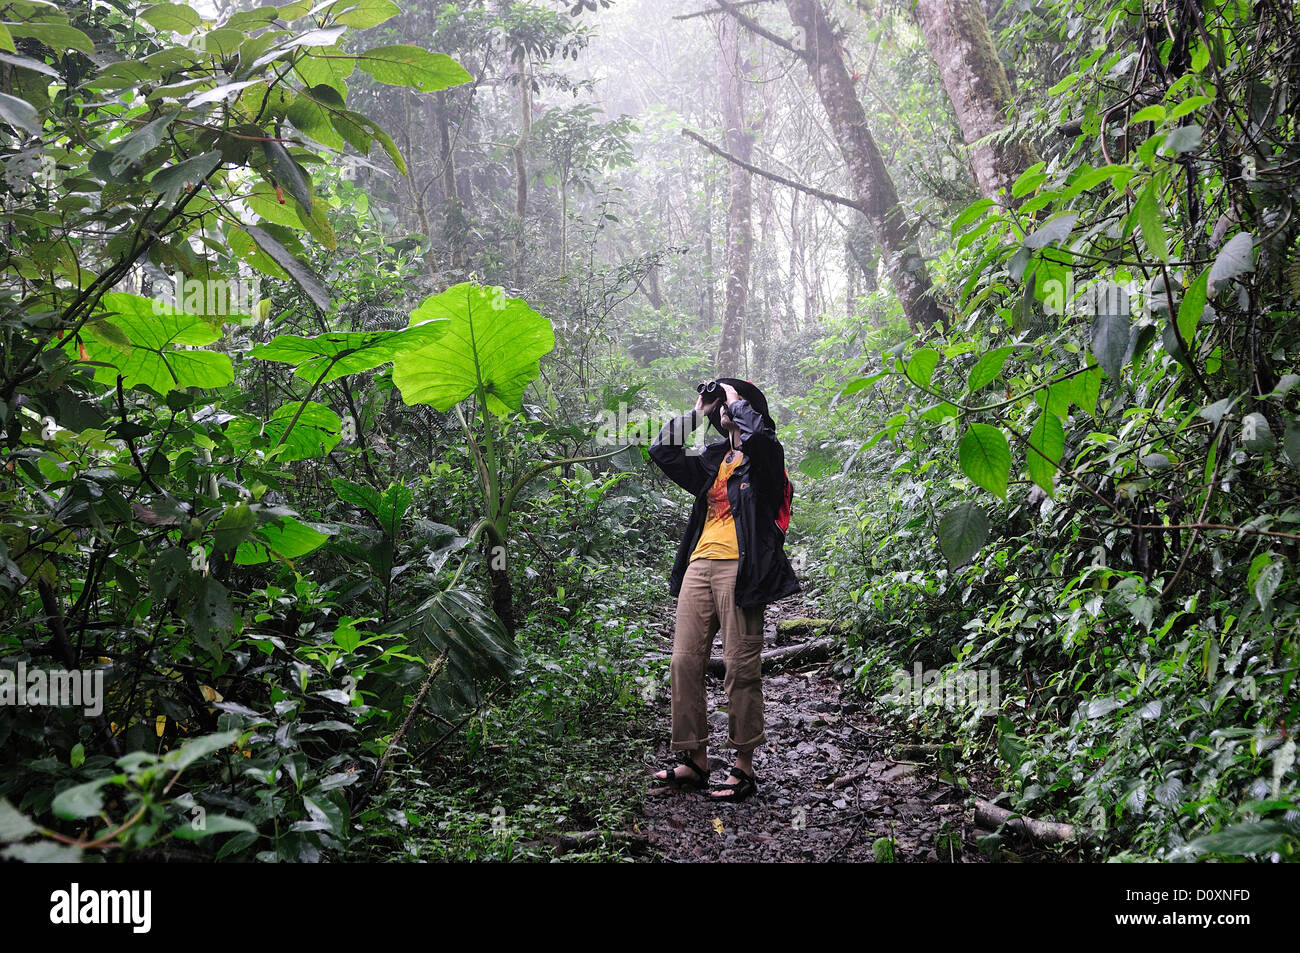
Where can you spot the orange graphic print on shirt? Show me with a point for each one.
(718, 539)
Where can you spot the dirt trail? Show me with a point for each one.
(818, 731)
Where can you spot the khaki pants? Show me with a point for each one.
(707, 603)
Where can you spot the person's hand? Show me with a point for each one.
(704, 408)
(731, 397)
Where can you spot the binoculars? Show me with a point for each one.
(709, 389)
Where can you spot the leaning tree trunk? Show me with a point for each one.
(872, 185)
(958, 37)
(732, 70)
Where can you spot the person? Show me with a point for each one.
(730, 564)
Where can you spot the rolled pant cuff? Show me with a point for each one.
(688, 745)
(750, 745)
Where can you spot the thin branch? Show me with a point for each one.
(775, 177)
(753, 26)
(712, 10)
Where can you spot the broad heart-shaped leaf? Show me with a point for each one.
(158, 355)
(478, 646)
(962, 531)
(285, 539)
(316, 433)
(1046, 444)
(986, 458)
(1110, 337)
(490, 339)
(350, 352)
(412, 66)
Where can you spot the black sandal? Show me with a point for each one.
(738, 791)
(686, 781)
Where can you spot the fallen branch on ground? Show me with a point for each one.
(805, 653)
(988, 814)
(636, 843)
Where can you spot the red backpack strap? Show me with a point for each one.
(783, 515)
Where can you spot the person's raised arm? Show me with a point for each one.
(669, 448)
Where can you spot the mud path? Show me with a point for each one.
(828, 788)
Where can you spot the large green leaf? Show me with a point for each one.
(299, 271)
(286, 172)
(13, 825)
(920, 368)
(363, 14)
(1046, 444)
(285, 539)
(412, 66)
(345, 352)
(1233, 259)
(149, 343)
(1190, 309)
(389, 507)
(19, 113)
(962, 531)
(1110, 337)
(1150, 222)
(316, 432)
(988, 367)
(489, 340)
(986, 458)
(81, 800)
(175, 17)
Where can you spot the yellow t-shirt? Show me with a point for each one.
(718, 539)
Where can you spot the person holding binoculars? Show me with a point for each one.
(730, 563)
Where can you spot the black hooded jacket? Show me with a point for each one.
(756, 492)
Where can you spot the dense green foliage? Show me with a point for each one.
(1105, 483)
(301, 423)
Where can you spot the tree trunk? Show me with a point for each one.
(521, 164)
(872, 185)
(709, 309)
(453, 219)
(958, 37)
(732, 70)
